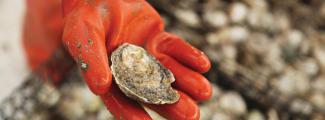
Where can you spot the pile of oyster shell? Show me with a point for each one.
(268, 55)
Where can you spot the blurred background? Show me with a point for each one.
(13, 66)
(268, 61)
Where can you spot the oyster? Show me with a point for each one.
(141, 77)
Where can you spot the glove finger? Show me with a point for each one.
(192, 83)
(184, 109)
(122, 107)
(84, 38)
(184, 52)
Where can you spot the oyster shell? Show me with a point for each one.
(141, 77)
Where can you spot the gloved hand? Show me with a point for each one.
(94, 28)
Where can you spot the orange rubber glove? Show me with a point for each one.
(94, 28)
(42, 30)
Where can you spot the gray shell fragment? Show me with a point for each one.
(141, 77)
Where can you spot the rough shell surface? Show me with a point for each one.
(141, 77)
